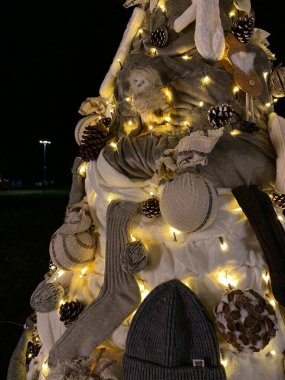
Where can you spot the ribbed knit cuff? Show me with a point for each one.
(140, 370)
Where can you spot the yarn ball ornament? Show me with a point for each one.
(277, 82)
(150, 208)
(243, 28)
(69, 312)
(159, 37)
(221, 115)
(189, 203)
(134, 258)
(46, 297)
(73, 245)
(246, 320)
(73, 252)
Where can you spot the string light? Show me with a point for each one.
(265, 75)
(232, 14)
(83, 272)
(206, 80)
(150, 128)
(82, 169)
(236, 89)
(45, 369)
(266, 277)
(151, 193)
(227, 280)
(272, 302)
(280, 217)
(224, 245)
(224, 362)
(128, 100)
(174, 232)
(152, 52)
(201, 104)
(113, 145)
(186, 57)
(140, 32)
(235, 132)
(133, 238)
(167, 119)
(268, 105)
(275, 100)
(168, 94)
(185, 124)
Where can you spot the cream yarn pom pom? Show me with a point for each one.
(189, 203)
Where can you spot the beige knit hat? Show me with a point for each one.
(73, 245)
(189, 203)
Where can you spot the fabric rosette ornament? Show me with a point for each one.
(189, 202)
(73, 245)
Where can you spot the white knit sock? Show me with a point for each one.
(118, 298)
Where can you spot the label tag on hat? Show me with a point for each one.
(198, 363)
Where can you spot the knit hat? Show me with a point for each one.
(172, 338)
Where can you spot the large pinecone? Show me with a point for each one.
(246, 320)
(150, 208)
(243, 28)
(159, 37)
(70, 311)
(94, 139)
(279, 201)
(221, 115)
(32, 351)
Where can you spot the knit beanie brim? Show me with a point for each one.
(142, 370)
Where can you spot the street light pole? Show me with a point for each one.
(45, 143)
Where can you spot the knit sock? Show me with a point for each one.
(258, 208)
(118, 298)
(77, 191)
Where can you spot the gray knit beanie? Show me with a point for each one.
(172, 338)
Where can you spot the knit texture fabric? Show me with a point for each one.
(170, 333)
(189, 203)
(276, 130)
(118, 298)
(258, 208)
(77, 191)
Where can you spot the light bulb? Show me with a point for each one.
(152, 52)
(266, 277)
(201, 104)
(113, 145)
(186, 57)
(206, 80)
(224, 362)
(236, 89)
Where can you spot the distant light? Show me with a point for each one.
(44, 142)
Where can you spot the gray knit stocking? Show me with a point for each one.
(77, 191)
(118, 298)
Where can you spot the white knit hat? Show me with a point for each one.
(189, 203)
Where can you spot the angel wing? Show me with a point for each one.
(243, 5)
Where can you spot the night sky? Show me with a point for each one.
(53, 56)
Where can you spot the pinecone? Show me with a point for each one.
(243, 28)
(70, 311)
(220, 116)
(32, 351)
(159, 37)
(150, 208)
(279, 200)
(94, 139)
(246, 320)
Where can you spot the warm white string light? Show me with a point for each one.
(174, 232)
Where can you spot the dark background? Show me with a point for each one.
(54, 55)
